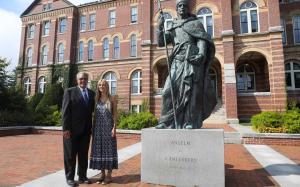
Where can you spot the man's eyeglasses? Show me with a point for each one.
(83, 78)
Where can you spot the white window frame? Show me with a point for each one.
(44, 55)
(46, 28)
(116, 52)
(248, 11)
(62, 25)
(204, 17)
(244, 74)
(90, 51)
(133, 45)
(139, 82)
(284, 37)
(105, 46)
(27, 86)
(133, 14)
(292, 73)
(29, 57)
(81, 51)
(31, 29)
(112, 18)
(82, 24)
(92, 22)
(111, 77)
(298, 16)
(138, 107)
(60, 52)
(42, 85)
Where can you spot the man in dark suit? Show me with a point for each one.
(77, 108)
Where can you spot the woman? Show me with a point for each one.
(104, 143)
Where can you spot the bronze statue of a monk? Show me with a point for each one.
(192, 55)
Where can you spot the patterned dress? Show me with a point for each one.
(104, 147)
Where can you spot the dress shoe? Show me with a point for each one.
(84, 181)
(71, 183)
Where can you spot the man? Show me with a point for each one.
(77, 108)
(190, 60)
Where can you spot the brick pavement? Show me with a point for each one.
(224, 126)
(292, 152)
(26, 157)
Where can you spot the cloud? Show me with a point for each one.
(10, 37)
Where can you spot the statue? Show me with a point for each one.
(188, 83)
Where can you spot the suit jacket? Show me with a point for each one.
(76, 114)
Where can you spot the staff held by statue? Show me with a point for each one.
(168, 63)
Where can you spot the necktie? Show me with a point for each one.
(85, 97)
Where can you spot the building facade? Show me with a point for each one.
(256, 66)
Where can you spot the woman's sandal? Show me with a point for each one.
(101, 179)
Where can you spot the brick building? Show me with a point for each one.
(256, 67)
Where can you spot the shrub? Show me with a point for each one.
(53, 96)
(48, 116)
(266, 119)
(35, 100)
(291, 121)
(138, 121)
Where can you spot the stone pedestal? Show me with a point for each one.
(183, 157)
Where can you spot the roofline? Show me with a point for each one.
(34, 3)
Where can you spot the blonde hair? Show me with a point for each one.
(108, 103)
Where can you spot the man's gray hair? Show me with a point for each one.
(81, 75)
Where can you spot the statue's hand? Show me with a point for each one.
(197, 59)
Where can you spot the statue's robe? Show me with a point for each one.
(194, 95)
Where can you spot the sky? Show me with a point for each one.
(10, 32)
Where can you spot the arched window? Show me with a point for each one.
(245, 78)
(133, 46)
(296, 28)
(60, 53)
(80, 51)
(105, 48)
(27, 86)
(292, 75)
(282, 22)
(29, 57)
(42, 85)
(110, 77)
(249, 17)
(205, 16)
(62, 25)
(136, 82)
(90, 50)
(168, 19)
(116, 54)
(44, 57)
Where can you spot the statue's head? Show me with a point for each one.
(182, 7)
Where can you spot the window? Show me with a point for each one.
(134, 14)
(80, 51)
(133, 45)
(245, 78)
(90, 50)
(136, 108)
(282, 22)
(296, 28)
(205, 16)
(62, 25)
(82, 23)
(92, 21)
(136, 82)
(47, 7)
(29, 57)
(42, 85)
(27, 86)
(105, 48)
(110, 77)
(249, 18)
(44, 57)
(30, 31)
(60, 54)
(46, 28)
(116, 54)
(168, 19)
(112, 18)
(292, 75)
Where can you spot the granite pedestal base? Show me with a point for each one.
(183, 157)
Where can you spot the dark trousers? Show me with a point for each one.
(76, 146)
